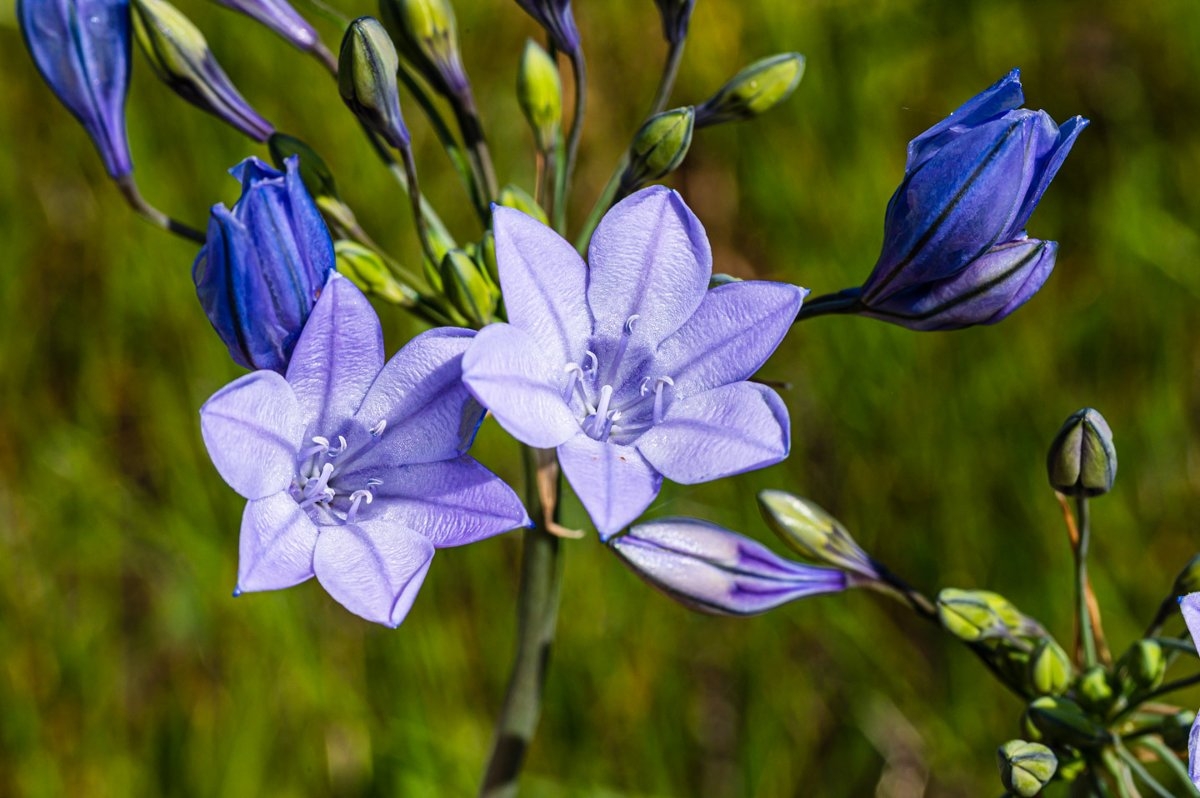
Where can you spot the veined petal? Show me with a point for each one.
(276, 546)
(544, 282)
(511, 376)
(1189, 605)
(718, 433)
(338, 356)
(252, 428)
(730, 336)
(451, 503)
(1002, 96)
(426, 412)
(615, 483)
(649, 258)
(375, 571)
(1064, 139)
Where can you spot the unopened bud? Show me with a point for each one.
(973, 615)
(1062, 721)
(658, 147)
(467, 289)
(426, 35)
(518, 198)
(179, 54)
(676, 14)
(755, 90)
(1049, 668)
(813, 533)
(1025, 768)
(366, 269)
(539, 92)
(1142, 667)
(1094, 690)
(367, 80)
(1082, 459)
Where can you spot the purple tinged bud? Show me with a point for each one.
(970, 185)
(367, 80)
(558, 19)
(263, 266)
(179, 55)
(676, 14)
(280, 17)
(1083, 460)
(713, 570)
(81, 47)
(425, 33)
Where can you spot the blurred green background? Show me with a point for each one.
(127, 669)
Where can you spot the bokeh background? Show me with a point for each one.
(127, 669)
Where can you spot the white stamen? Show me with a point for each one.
(356, 498)
(593, 361)
(378, 429)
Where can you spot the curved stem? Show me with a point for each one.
(579, 69)
(414, 196)
(1087, 635)
(845, 301)
(667, 83)
(537, 615)
(1140, 771)
(1171, 760)
(129, 190)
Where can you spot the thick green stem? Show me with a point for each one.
(537, 615)
(129, 190)
(1087, 635)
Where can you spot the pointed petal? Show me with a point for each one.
(1065, 139)
(650, 258)
(544, 282)
(718, 433)
(506, 371)
(252, 428)
(1003, 95)
(337, 357)
(276, 546)
(372, 570)
(426, 411)
(730, 336)
(451, 503)
(614, 482)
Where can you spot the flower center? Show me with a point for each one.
(317, 487)
(611, 405)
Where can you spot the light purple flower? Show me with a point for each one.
(713, 570)
(354, 470)
(631, 367)
(1190, 606)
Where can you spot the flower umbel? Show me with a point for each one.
(355, 471)
(630, 366)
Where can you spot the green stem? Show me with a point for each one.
(1087, 635)
(414, 197)
(667, 82)
(476, 144)
(579, 70)
(1140, 771)
(129, 190)
(1172, 761)
(1120, 775)
(537, 615)
(1168, 688)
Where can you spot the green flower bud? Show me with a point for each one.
(1025, 768)
(1142, 667)
(426, 35)
(974, 615)
(1094, 690)
(1049, 668)
(813, 533)
(539, 92)
(518, 198)
(756, 89)
(366, 269)
(1063, 722)
(658, 148)
(179, 54)
(1082, 459)
(467, 289)
(367, 68)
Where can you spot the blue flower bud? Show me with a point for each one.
(676, 14)
(265, 262)
(179, 55)
(558, 20)
(81, 47)
(1082, 459)
(367, 80)
(713, 570)
(280, 17)
(970, 185)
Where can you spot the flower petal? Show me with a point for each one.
(276, 546)
(718, 433)
(337, 357)
(614, 482)
(730, 336)
(252, 428)
(1189, 605)
(649, 258)
(426, 411)
(1064, 139)
(372, 570)
(1003, 95)
(506, 371)
(451, 503)
(544, 282)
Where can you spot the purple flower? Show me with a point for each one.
(955, 251)
(354, 470)
(713, 570)
(631, 367)
(81, 47)
(265, 261)
(280, 17)
(558, 20)
(1190, 606)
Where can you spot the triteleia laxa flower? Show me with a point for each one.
(630, 367)
(955, 251)
(263, 265)
(1190, 605)
(355, 471)
(713, 570)
(81, 47)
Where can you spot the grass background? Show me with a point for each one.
(127, 669)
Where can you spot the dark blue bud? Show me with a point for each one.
(81, 47)
(971, 183)
(265, 262)
(280, 17)
(558, 20)
(676, 14)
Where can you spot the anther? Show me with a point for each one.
(356, 498)
(378, 429)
